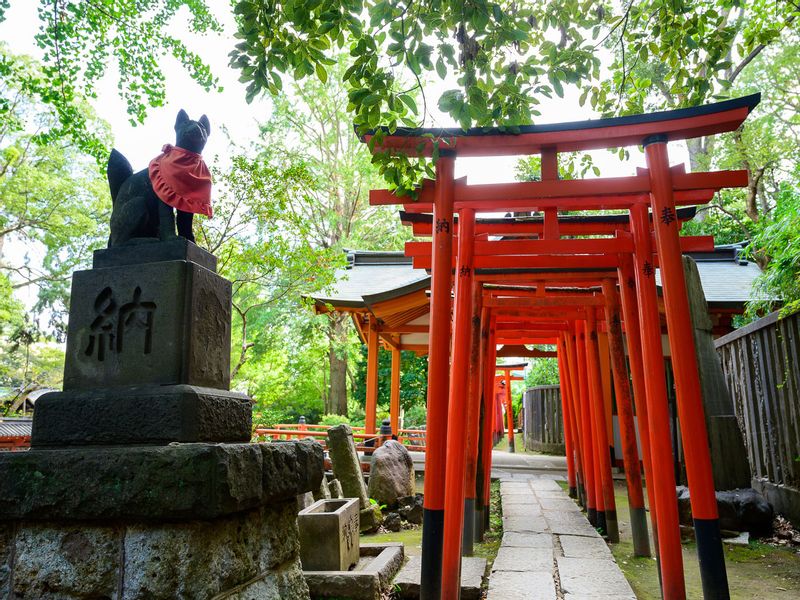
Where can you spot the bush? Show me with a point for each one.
(331, 420)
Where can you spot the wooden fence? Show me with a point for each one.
(761, 362)
(543, 427)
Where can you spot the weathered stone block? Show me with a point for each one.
(142, 415)
(329, 535)
(199, 559)
(345, 463)
(285, 583)
(367, 582)
(7, 534)
(407, 582)
(182, 481)
(151, 250)
(55, 562)
(161, 323)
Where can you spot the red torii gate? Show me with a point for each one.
(659, 188)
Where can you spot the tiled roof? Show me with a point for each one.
(15, 427)
(370, 274)
(727, 279)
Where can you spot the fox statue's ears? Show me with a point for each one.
(182, 118)
(205, 123)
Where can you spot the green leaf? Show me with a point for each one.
(410, 103)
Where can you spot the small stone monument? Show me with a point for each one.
(141, 481)
(329, 531)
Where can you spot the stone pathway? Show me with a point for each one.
(550, 550)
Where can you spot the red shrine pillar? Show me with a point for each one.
(577, 428)
(438, 379)
(490, 417)
(687, 381)
(509, 411)
(627, 285)
(601, 429)
(566, 418)
(593, 499)
(373, 347)
(663, 484)
(574, 394)
(473, 419)
(484, 424)
(622, 390)
(458, 412)
(394, 399)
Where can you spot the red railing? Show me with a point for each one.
(412, 439)
(15, 443)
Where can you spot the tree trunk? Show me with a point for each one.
(699, 160)
(336, 402)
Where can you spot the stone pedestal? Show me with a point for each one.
(135, 486)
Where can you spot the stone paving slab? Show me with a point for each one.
(510, 499)
(575, 546)
(513, 539)
(515, 487)
(531, 524)
(545, 485)
(592, 578)
(569, 523)
(559, 493)
(562, 504)
(523, 559)
(472, 570)
(516, 585)
(529, 511)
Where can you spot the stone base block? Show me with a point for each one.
(250, 554)
(149, 250)
(147, 414)
(154, 483)
(473, 568)
(158, 323)
(370, 578)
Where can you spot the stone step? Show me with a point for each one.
(472, 571)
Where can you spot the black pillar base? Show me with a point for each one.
(711, 556)
(430, 583)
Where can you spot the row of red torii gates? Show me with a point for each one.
(560, 281)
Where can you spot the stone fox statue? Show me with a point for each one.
(176, 179)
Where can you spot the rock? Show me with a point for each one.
(335, 488)
(411, 508)
(304, 501)
(739, 510)
(324, 491)
(393, 522)
(370, 518)
(345, 463)
(391, 474)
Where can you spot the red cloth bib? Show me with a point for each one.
(182, 180)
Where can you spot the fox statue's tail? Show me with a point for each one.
(117, 171)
